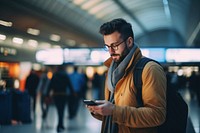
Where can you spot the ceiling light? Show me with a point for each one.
(89, 4)
(44, 45)
(78, 2)
(71, 42)
(17, 40)
(83, 45)
(55, 37)
(32, 43)
(33, 31)
(56, 46)
(5, 23)
(2, 37)
(99, 7)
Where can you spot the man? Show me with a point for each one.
(78, 82)
(31, 84)
(42, 91)
(58, 84)
(119, 112)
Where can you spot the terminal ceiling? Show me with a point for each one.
(75, 23)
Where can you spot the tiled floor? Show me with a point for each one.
(85, 123)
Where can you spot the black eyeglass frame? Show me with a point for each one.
(113, 46)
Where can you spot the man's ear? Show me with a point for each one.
(130, 42)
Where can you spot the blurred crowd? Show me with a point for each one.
(59, 87)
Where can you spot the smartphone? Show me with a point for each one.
(91, 103)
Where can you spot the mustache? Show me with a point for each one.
(115, 55)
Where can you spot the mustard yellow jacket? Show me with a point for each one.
(143, 119)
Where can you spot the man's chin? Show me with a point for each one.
(115, 59)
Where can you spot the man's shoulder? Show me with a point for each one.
(153, 64)
(152, 67)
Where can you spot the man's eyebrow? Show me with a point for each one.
(112, 43)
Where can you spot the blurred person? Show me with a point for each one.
(174, 81)
(85, 84)
(78, 82)
(58, 84)
(97, 84)
(119, 112)
(42, 91)
(193, 84)
(198, 88)
(31, 84)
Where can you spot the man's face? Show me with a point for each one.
(119, 52)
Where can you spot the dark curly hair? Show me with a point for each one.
(120, 25)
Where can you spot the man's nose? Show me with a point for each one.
(111, 50)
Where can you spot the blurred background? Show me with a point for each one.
(40, 35)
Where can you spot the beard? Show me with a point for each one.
(121, 56)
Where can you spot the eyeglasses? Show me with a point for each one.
(113, 46)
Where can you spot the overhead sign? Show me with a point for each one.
(50, 56)
(157, 54)
(96, 56)
(183, 55)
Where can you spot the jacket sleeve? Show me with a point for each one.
(153, 112)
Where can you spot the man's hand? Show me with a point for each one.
(105, 109)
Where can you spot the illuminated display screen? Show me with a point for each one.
(157, 54)
(99, 55)
(50, 56)
(96, 56)
(183, 55)
(85, 56)
(76, 55)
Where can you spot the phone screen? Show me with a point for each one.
(90, 102)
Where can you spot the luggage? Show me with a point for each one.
(5, 107)
(21, 106)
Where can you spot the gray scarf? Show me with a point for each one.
(115, 72)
